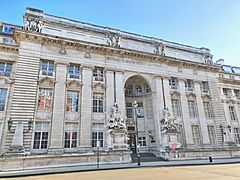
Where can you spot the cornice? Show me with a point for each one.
(89, 47)
(9, 48)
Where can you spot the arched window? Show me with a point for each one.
(129, 90)
(138, 90)
(147, 89)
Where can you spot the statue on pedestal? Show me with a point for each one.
(168, 124)
(170, 130)
(117, 133)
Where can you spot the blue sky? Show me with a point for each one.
(214, 24)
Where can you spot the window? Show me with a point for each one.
(232, 112)
(47, 68)
(142, 141)
(236, 135)
(196, 134)
(211, 134)
(129, 110)
(3, 96)
(189, 85)
(5, 69)
(74, 71)
(237, 93)
(70, 140)
(45, 100)
(173, 82)
(176, 108)
(98, 74)
(41, 136)
(7, 29)
(227, 92)
(72, 101)
(129, 90)
(98, 103)
(205, 86)
(147, 89)
(140, 110)
(192, 109)
(97, 137)
(138, 90)
(208, 110)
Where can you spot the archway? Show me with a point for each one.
(140, 123)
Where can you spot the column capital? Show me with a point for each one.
(87, 66)
(182, 79)
(119, 71)
(109, 69)
(62, 63)
(156, 76)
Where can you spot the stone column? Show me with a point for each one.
(109, 90)
(109, 103)
(167, 93)
(120, 97)
(57, 127)
(158, 106)
(201, 116)
(185, 113)
(86, 109)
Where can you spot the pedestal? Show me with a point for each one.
(117, 140)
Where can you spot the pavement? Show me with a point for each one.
(104, 166)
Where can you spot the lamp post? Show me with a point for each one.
(98, 145)
(135, 105)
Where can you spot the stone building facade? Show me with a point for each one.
(68, 88)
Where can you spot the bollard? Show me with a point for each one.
(210, 159)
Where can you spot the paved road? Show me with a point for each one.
(210, 172)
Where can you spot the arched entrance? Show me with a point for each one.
(140, 123)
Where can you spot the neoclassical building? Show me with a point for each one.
(69, 88)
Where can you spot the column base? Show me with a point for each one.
(55, 151)
(84, 149)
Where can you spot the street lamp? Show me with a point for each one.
(135, 105)
(10, 123)
(98, 145)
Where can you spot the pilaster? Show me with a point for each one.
(120, 97)
(86, 108)
(167, 93)
(158, 106)
(185, 113)
(57, 127)
(202, 118)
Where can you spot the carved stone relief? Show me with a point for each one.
(46, 82)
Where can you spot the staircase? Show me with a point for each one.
(146, 157)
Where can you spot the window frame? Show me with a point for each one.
(41, 132)
(98, 74)
(211, 134)
(3, 98)
(6, 69)
(49, 67)
(50, 91)
(192, 108)
(176, 110)
(208, 111)
(71, 131)
(98, 103)
(70, 98)
(75, 72)
(232, 112)
(196, 135)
